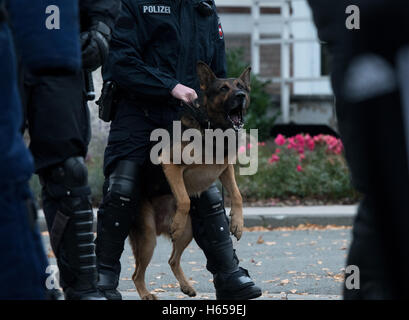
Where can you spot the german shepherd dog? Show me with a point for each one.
(223, 105)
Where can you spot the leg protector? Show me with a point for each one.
(211, 231)
(115, 217)
(68, 210)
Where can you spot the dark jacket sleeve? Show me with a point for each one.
(126, 65)
(218, 64)
(100, 10)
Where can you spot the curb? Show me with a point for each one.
(275, 217)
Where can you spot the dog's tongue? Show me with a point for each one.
(235, 118)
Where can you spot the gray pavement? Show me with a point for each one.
(305, 264)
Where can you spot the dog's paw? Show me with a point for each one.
(150, 296)
(236, 227)
(188, 290)
(178, 226)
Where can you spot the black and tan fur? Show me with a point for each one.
(167, 213)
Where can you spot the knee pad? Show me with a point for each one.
(68, 179)
(75, 172)
(123, 186)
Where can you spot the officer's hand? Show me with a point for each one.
(186, 94)
(95, 46)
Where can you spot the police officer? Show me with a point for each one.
(370, 89)
(58, 123)
(154, 51)
(23, 261)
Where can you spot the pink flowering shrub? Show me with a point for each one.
(303, 166)
(301, 144)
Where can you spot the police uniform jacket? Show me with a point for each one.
(156, 44)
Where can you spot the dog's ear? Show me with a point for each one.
(205, 74)
(245, 76)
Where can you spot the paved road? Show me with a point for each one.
(297, 264)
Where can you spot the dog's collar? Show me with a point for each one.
(198, 113)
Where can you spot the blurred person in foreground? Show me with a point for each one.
(369, 47)
(23, 261)
(58, 122)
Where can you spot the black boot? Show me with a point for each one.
(108, 282)
(211, 232)
(235, 286)
(115, 217)
(68, 210)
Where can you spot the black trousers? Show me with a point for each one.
(372, 130)
(131, 128)
(57, 116)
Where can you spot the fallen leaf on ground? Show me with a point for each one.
(284, 282)
(260, 240)
(197, 269)
(270, 243)
(338, 277)
(170, 285)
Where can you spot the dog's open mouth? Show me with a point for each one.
(235, 116)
